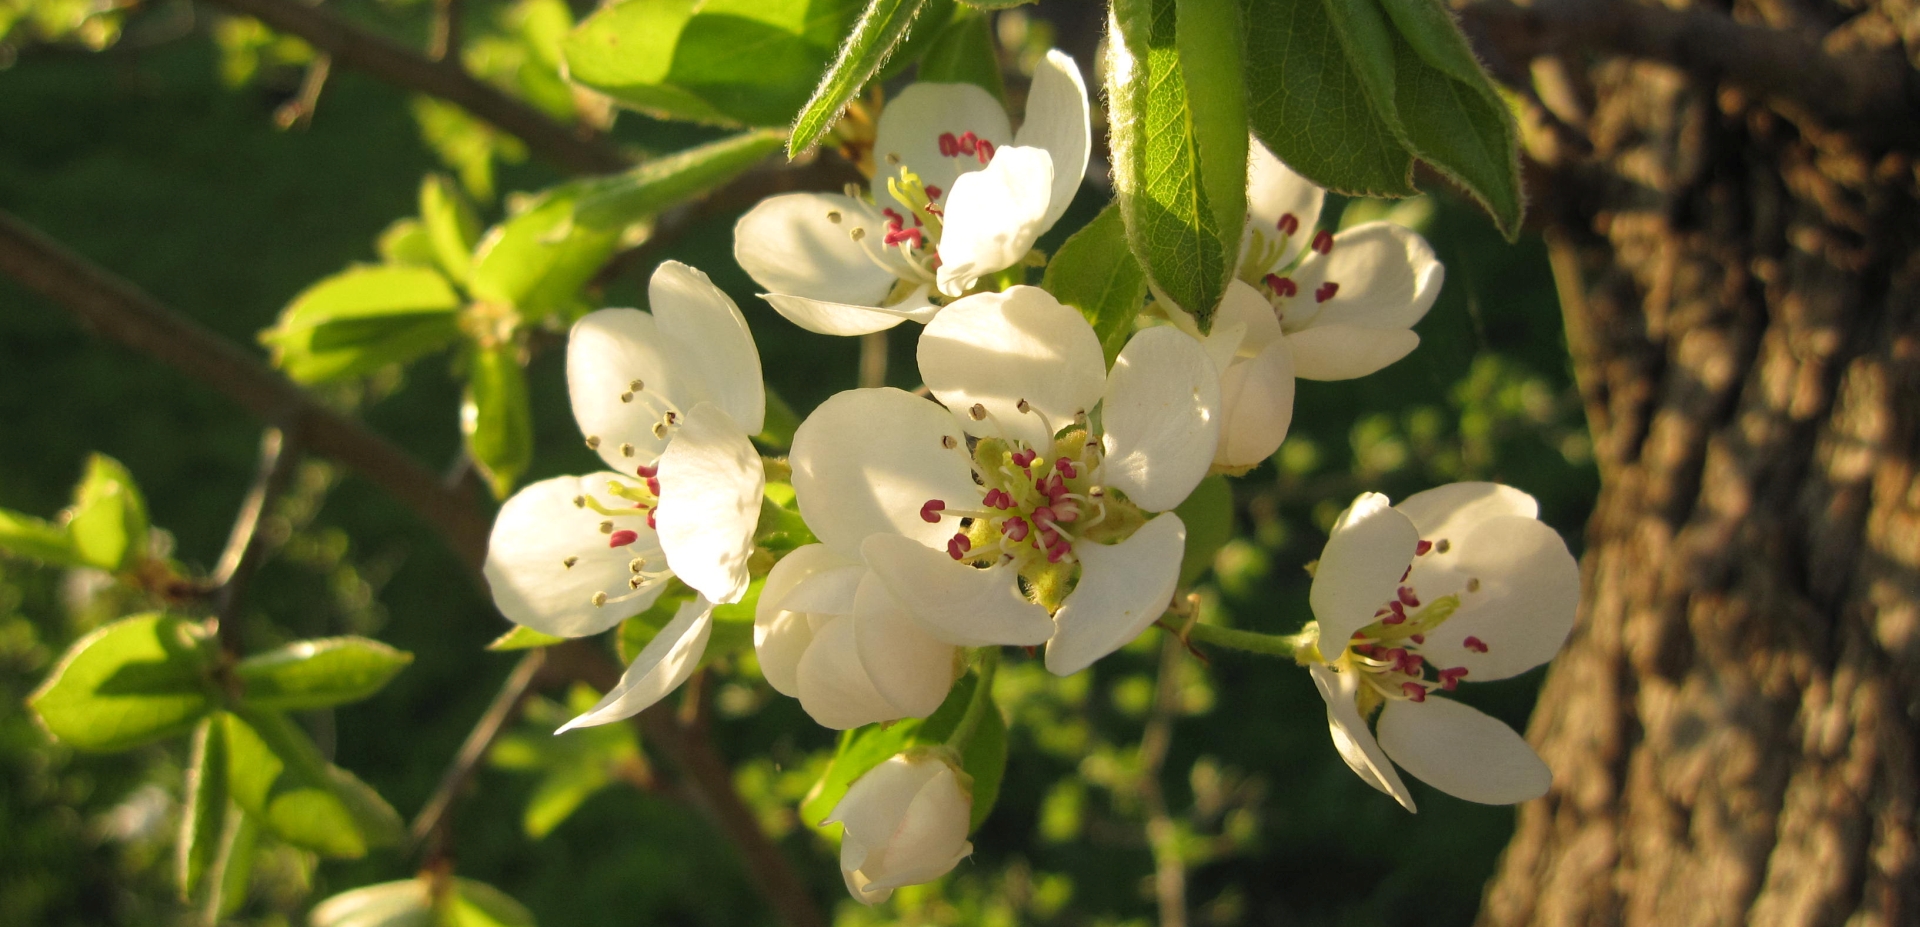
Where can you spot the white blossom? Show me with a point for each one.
(668, 400)
(956, 195)
(1462, 582)
(906, 822)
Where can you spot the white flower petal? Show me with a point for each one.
(961, 605)
(1123, 589)
(1462, 752)
(1343, 352)
(606, 352)
(1523, 608)
(781, 631)
(711, 343)
(711, 480)
(909, 666)
(1059, 120)
(1445, 511)
(996, 349)
(858, 885)
(993, 217)
(866, 460)
(828, 592)
(533, 537)
(911, 126)
(1370, 547)
(1256, 399)
(1273, 191)
(790, 245)
(1387, 276)
(1351, 737)
(828, 318)
(1161, 415)
(905, 822)
(931, 838)
(834, 688)
(661, 667)
(1244, 306)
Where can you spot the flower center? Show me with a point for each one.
(1261, 269)
(627, 503)
(1387, 654)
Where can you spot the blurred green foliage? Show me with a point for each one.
(161, 160)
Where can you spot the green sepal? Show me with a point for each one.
(131, 682)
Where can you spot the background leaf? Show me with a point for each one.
(496, 419)
(318, 673)
(42, 540)
(538, 259)
(881, 26)
(203, 817)
(276, 774)
(108, 524)
(640, 193)
(1096, 273)
(451, 226)
(1208, 514)
(963, 53)
(136, 680)
(363, 319)
(524, 638)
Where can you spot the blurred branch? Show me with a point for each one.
(433, 824)
(115, 309)
(278, 453)
(1873, 94)
(298, 112)
(576, 148)
(444, 41)
(1169, 870)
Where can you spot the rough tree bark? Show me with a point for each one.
(1734, 727)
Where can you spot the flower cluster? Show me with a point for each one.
(1024, 496)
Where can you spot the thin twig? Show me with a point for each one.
(431, 826)
(297, 113)
(444, 41)
(576, 148)
(278, 453)
(873, 359)
(1169, 870)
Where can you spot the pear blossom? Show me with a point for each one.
(1462, 582)
(1307, 303)
(906, 822)
(956, 195)
(668, 400)
(1000, 515)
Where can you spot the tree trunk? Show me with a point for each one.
(1734, 727)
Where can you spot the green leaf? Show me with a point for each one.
(405, 903)
(524, 638)
(1159, 166)
(781, 424)
(1208, 514)
(318, 673)
(881, 26)
(933, 19)
(781, 527)
(232, 871)
(1307, 100)
(496, 419)
(33, 537)
(203, 821)
(405, 242)
(362, 319)
(451, 225)
(1454, 118)
(538, 259)
(639, 194)
(573, 768)
(108, 522)
(134, 681)
(1209, 36)
(735, 62)
(477, 904)
(277, 775)
(861, 749)
(1095, 273)
(963, 53)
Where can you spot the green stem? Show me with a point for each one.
(981, 703)
(1273, 645)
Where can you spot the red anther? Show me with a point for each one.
(1281, 286)
(1015, 529)
(986, 151)
(1406, 573)
(653, 486)
(1474, 644)
(969, 143)
(933, 193)
(1415, 691)
(1450, 678)
(1380, 612)
(949, 146)
(1056, 487)
(1044, 516)
(1032, 651)
(1064, 466)
(622, 538)
(899, 235)
(1323, 241)
(957, 547)
(1048, 536)
(1065, 511)
(930, 511)
(1420, 549)
(997, 499)
(1419, 638)
(1289, 224)
(1409, 663)
(1059, 550)
(894, 219)
(1399, 613)
(1407, 597)
(650, 515)
(646, 472)
(1024, 459)
(1326, 291)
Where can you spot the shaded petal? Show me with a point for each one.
(1059, 119)
(1161, 415)
(826, 318)
(1256, 400)
(1370, 547)
(834, 688)
(1343, 352)
(1274, 190)
(996, 349)
(1387, 275)
(782, 632)
(993, 217)
(911, 125)
(931, 838)
(606, 351)
(1462, 752)
(1351, 737)
(788, 244)
(1123, 589)
(959, 604)
(711, 480)
(866, 460)
(661, 667)
(1445, 511)
(711, 343)
(858, 885)
(536, 532)
(1524, 607)
(909, 666)
(1245, 306)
